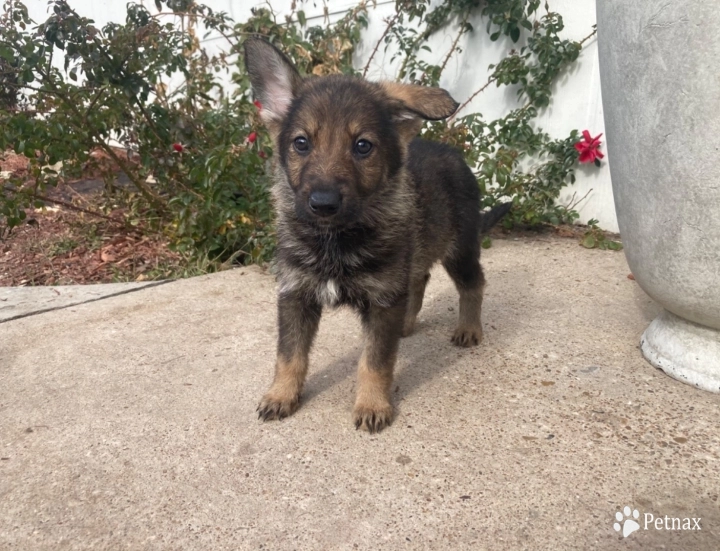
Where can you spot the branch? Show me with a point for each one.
(139, 185)
(93, 102)
(427, 33)
(491, 79)
(391, 22)
(455, 43)
(65, 204)
(152, 198)
(588, 37)
(272, 11)
(571, 205)
(225, 36)
(141, 107)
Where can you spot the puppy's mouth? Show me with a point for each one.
(341, 219)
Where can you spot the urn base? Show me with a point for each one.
(684, 350)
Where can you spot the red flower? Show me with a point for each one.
(262, 154)
(252, 137)
(257, 104)
(588, 148)
(178, 147)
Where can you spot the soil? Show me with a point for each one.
(64, 243)
(58, 246)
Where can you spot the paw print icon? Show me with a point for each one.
(627, 521)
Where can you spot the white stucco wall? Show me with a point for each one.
(576, 103)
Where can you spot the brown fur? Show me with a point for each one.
(362, 228)
(373, 409)
(284, 395)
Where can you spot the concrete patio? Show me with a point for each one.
(129, 422)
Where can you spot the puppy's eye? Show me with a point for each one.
(301, 144)
(363, 147)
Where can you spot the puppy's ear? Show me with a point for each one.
(274, 79)
(417, 103)
(431, 104)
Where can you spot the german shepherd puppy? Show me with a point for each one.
(364, 209)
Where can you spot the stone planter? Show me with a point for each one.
(660, 74)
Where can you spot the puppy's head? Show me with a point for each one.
(340, 140)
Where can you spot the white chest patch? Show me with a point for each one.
(329, 293)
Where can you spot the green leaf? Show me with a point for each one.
(486, 242)
(301, 18)
(6, 53)
(589, 241)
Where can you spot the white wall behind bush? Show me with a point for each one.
(576, 103)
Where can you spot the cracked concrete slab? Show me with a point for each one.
(18, 302)
(129, 423)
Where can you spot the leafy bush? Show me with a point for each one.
(196, 156)
(194, 173)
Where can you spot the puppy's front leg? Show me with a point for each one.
(383, 327)
(298, 319)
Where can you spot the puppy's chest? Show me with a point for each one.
(359, 291)
(337, 274)
(338, 256)
(331, 292)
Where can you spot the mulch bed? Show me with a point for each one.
(61, 245)
(58, 246)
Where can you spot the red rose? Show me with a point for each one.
(178, 147)
(257, 104)
(588, 149)
(252, 137)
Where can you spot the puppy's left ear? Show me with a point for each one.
(275, 80)
(418, 103)
(429, 103)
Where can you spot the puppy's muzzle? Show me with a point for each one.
(325, 202)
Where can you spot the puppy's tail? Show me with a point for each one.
(489, 218)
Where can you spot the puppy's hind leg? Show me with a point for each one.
(466, 272)
(298, 320)
(415, 302)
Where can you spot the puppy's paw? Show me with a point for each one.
(273, 406)
(408, 327)
(372, 418)
(467, 336)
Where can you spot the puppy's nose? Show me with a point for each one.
(325, 202)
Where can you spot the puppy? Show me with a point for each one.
(364, 209)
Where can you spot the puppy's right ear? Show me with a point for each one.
(274, 79)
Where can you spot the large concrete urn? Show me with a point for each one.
(660, 74)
